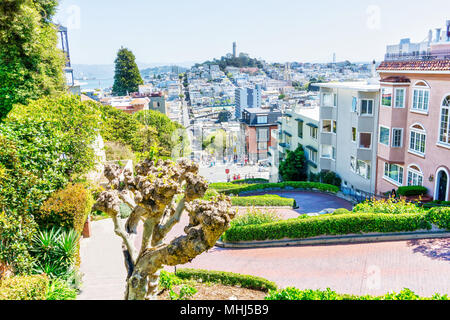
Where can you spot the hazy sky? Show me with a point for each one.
(176, 31)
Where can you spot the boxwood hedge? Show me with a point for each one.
(267, 200)
(303, 185)
(227, 278)
(342, 224)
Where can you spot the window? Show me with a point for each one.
(421, 97)
(313, 156)
(334, 126)
(384, 135)
(444, 130)
(261, 119)
(363, 168)
(353, 134)
(262, 145)
(366, 107)
(263, 135)
(353, 163)
(300, 129)
(327, 152)
(397, 138)
(326, 125)
(393, 173)
(386, 97)
(399, 98)
(313, 132)
(354, 104)
(415, 176)
(417, 140)
(329, 99)
(365, 140)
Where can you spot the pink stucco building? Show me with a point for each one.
(414, 126)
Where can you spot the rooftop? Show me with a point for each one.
(415, 66)
(356, 85)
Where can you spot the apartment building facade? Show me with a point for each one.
(257, 131)
(414, 125)
(348, 131)
(247, 98)
(300, 126)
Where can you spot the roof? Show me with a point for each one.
(426, 66)
(355, 85)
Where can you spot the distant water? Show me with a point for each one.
(97, 83)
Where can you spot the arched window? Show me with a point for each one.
(421, 97)
(415, 176)
(444, 130)
(417, 139)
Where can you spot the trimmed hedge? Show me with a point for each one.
(24, 288)
(268, 200)
(67, 208)
(250, 181)
(412, 191)
(340, 224)
(227, 278)
(220, 186)
(291, 293)
(303, 185)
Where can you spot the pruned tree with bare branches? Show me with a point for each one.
(159, 193)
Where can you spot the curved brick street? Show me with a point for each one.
(373, 268)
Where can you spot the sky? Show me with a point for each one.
(189, 31)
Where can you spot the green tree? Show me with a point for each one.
(31, 66)
(127, 77)
(294, 168)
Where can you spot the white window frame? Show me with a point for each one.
(311, 132)
(367, 166)
(331, 153)
(404, 98)
(424, 89)
(333, 123)
(361, 105)
(359, 141)
(379, 135)
(401, 138)
(417, 132)
(333, 99)
(381, 96)
(356, 135)
(440, 142)
(389, 179)
(419, 174)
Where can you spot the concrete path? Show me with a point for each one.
(375, 268)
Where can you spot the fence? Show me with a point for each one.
(361, 196)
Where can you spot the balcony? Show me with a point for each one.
(327, 164)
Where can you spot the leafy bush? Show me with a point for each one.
(341, 211)
(221, 186)
(60, 290)
(118, 151)
(227, 278)
(255, 217)
(209, 194)
(267, 200)
(412, 191)
(294, 167)
(24, 288)
(440, 217)
(389, 206)
(56, 253)
(328, 225)
(302, 185)
(67, 208)
(186, 292)
(328, 177)
(291, 293)
(16, 234)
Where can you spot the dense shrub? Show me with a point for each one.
(227, 278)
(294, 167)
(59, 289)
(24, 288)
(67, 208)
(440, 217)
(328, 177)
(302, 185)
(221, 186)
(118, 151)
(267, 200)
(412, 191)
(389, 206)
(341, 211)
(329, 225)
(291, 293)
(16, 234)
